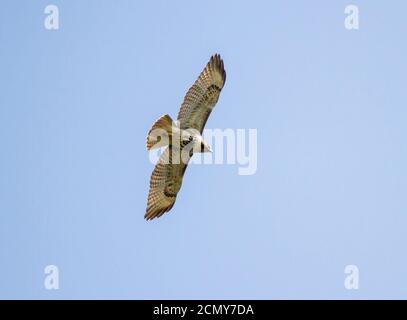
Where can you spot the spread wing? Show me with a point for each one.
(203, 95)
(165, 182)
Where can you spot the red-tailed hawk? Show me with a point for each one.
(182, 138)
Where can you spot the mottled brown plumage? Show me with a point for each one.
(203, 95)
(166, 179)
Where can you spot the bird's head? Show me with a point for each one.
(205, 147)
(201, 146)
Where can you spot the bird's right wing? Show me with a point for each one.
(203, 95)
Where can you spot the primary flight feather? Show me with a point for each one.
(182, 138)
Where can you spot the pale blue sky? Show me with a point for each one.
(330, 190)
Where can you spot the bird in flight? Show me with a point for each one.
(182, 138)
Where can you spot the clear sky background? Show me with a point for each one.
(329, 105)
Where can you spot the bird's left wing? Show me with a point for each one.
(165, 182)
(203, 95)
